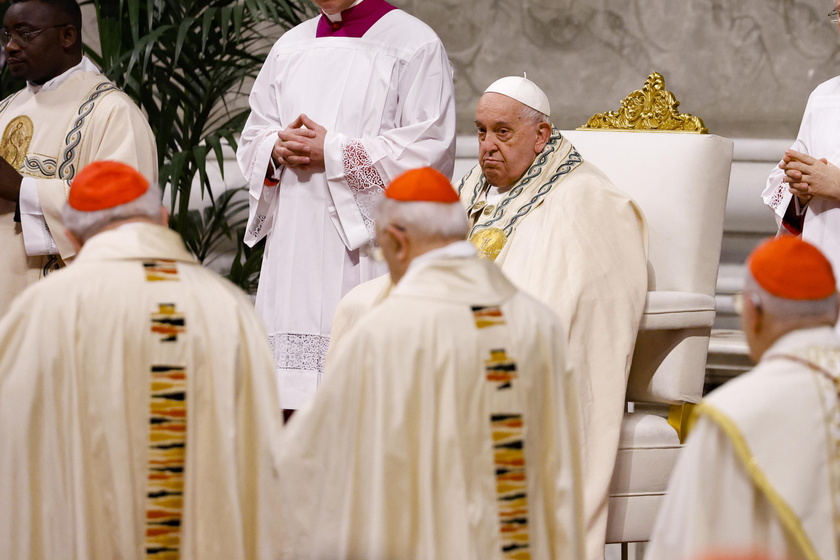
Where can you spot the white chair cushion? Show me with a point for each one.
(647, 451)
(631, 519)
(677, 310)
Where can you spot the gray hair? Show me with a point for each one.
(815, 310)
(447, 221)
(532, 116)
(85, 225)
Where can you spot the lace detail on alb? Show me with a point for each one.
(777, 197)
(364, 182)
(299, 351)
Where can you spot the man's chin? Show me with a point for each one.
(491, 174)
(17, 71)
(495, 179)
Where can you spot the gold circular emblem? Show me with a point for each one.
(489, 209)
(15, 142)
(478, 206)
(489, 242)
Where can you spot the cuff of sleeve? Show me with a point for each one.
(334, 155)
(37, 238)
(29, 202)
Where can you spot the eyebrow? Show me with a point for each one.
(497, 123)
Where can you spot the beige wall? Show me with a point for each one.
(745, 66)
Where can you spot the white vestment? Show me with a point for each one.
(446, 427)
(818, 137)
(579, 245)
(761, 468)
(386, 100)
(138, 410)
(50, 136)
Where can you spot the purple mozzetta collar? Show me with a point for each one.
(355, 21)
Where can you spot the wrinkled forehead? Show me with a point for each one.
(498, 107)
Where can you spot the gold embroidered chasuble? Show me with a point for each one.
(579, 245)
(50, 136)
(138, 411)
(761, 468)
(446, 427)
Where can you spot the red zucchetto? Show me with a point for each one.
(105, 184)
(422, 185)
(790, 268)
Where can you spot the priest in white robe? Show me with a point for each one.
(804, 189)
(344, 103)
(67, 116)
(761, 467)
(447, 423)
(561, 231)
(138, 404)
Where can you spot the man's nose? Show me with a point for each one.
(488, 144)
(12, 45)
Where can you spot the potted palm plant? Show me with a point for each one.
(189, 66)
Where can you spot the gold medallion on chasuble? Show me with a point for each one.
(489, 242)
(15, 142)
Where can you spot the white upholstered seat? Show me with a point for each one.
(680, 181)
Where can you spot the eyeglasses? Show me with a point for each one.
(22, 38)
(833, 16)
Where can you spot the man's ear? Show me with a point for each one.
(757, 315)
(68, 36)
(402, 244)
(543, 134)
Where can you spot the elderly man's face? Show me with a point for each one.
(507, 143)
(333, 6)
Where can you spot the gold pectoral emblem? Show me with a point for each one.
(489, 242)
(16, 138)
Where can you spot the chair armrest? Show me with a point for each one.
(677, 310)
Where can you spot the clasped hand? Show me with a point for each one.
(808, 176)
(300, 145)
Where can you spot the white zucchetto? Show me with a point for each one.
(523, 90)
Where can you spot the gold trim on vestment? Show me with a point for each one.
(489, 242)
(16, 138)
(742, 449)
(652, 109)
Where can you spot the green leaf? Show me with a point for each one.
(185, 63)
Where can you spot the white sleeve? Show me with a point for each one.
(37, 238)
(425, 136)
(358, 169)
(254, 151)
(776, 194)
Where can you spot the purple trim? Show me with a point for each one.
(355, 21)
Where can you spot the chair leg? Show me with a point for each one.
(625, 551)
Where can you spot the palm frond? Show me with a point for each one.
(186, 64)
